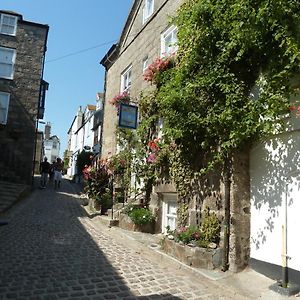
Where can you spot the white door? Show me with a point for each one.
(169, 215)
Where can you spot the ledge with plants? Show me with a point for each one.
(137, 218)
(196, 246)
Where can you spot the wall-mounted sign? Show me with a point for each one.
(128, 116)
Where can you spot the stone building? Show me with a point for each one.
(146, 36)
(22, 93)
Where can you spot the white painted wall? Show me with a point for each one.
(274, 175)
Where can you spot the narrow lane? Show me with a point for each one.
(51, 250)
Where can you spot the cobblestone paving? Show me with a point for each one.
(51, 250)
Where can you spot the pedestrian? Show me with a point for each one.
(58, 168)
(44, 170)
(51, 172)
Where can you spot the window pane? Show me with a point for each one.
(4, 98)
(169, 41)
(8, 24)
(6, 29)
(5, 70)
(6, 56)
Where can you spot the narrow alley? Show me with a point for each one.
(51, 250)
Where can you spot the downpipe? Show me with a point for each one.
(284, 256)
(226, 223)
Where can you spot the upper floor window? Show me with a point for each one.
(169, 41)
(7, 61)
(8, 24)
(126, 79)
(145, 63)
(148, 9)
(4, 104)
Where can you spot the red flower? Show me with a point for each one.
(292, 108)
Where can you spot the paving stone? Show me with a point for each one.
(52, 250)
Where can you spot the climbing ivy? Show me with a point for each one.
(230, 84)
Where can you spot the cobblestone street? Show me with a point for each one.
(51, 250)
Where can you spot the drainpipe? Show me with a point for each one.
(284, 242)
(226, 223)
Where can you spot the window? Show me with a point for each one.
(169, 41)
(8, 24)
(148, 9)
(145, 63)
(169, 213)
(7, 61)
(4, 104)
(126, 79)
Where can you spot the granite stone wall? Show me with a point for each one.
(17, 137)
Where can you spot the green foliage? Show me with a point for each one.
(66, 159)
(97, 186)
(187, 234)
(226, 48)
(210, 227)
(208, 232)
(83, 160)
(139, 215)
(229, 87)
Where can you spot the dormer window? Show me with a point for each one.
(148, 10)
(8, 24)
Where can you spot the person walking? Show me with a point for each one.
(44, 170)
(58, 168)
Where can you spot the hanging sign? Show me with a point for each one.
(128, 116)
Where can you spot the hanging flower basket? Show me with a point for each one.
(121, 98)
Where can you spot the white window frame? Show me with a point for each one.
(6, 97)
(167, 50)
(168, 198)
(126, 79)
(12, 63)
(145, 63)
(3, 24)
(148, 10)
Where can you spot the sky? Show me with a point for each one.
(80, 34)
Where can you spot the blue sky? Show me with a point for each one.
(75, 26)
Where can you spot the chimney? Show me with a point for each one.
(47, 131)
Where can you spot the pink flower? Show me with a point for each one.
(151, 158)
(196, 235)
(121, 98)
(159, 65)
(182, 229)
